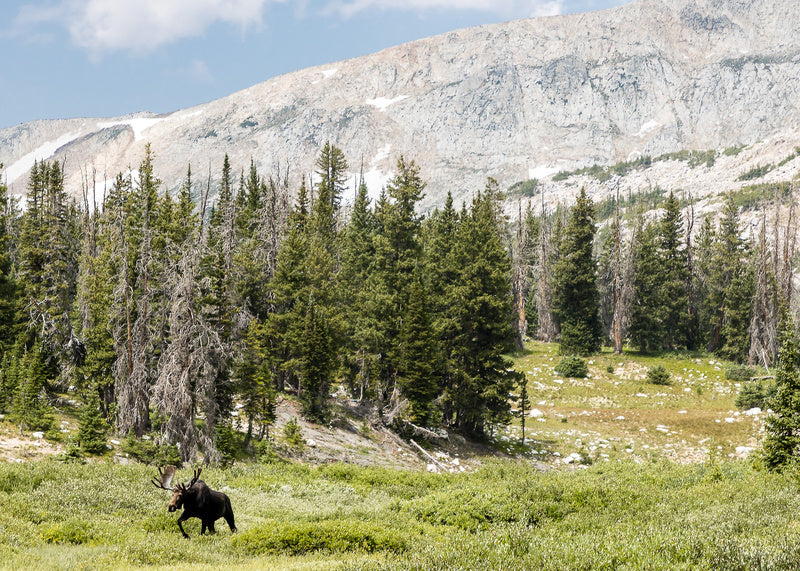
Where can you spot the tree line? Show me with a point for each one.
(173, 316)
(652, 281)
(184, 318)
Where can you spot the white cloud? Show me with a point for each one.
(348, 8)
(199, 71)
(548, 8)
(142, 25)
(101, 26)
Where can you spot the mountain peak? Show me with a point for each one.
(510, 101)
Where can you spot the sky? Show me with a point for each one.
(105, 58)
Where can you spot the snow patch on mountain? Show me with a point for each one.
(139, 125)
(382, 103)
(42, 153)
(648, 127)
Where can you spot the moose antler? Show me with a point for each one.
(195, 477)
(164, 479)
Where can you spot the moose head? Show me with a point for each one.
(196, 499)
(164, 481)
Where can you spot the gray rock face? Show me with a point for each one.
(511, 101)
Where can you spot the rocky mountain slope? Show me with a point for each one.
(513, 101)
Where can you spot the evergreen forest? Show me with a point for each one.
(165, 313)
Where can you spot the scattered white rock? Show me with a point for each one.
(536, 413)
(755, 411)
(311, 443)
(39, 435)
(730, 419)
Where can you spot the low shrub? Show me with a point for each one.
(333, 536)
(658, 375)
(739, 373)
(148, 452)
(756, 393)
(293, 434)
(573, 367)
(74, 531)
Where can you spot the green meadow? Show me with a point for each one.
(652, 483)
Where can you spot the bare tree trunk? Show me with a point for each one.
(789, 253)
(691, 309)
(763, 322)
(519, 279)
(617, 280)
(546, 326)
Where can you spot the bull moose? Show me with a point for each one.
(196, 499)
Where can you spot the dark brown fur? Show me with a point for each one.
(197, 500)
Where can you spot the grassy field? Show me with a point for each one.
(621, 515)
(615, 413)
(651, 485)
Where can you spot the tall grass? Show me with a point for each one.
(506, 515)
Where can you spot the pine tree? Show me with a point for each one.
(8, 286)
(674, 303)
(362, 338)
(575, 278)
(331, 168)
(139, 282)
(30, 407)
(254, 383)
(290, 288)
(524, 403)
(481, 374)
(47, 266)
(418, 362)
(442, 271)
(397, 253)
(782, 442)
(9, 380)
(316, 362)
(646, 327)
(319, 305)
(731, 288)
(92, 427)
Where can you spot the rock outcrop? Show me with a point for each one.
(512, 101)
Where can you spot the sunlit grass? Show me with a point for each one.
(615, 412)
(657, 489)
(507, 515)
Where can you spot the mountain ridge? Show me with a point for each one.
(518, 100)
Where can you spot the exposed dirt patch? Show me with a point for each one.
(356, 436)
(19, 446)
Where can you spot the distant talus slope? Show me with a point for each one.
(511, 101)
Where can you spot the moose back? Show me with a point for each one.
(196, 499)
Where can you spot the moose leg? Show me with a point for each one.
(229, 514)
(229, 519)
(211, 527)
(180, 520)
